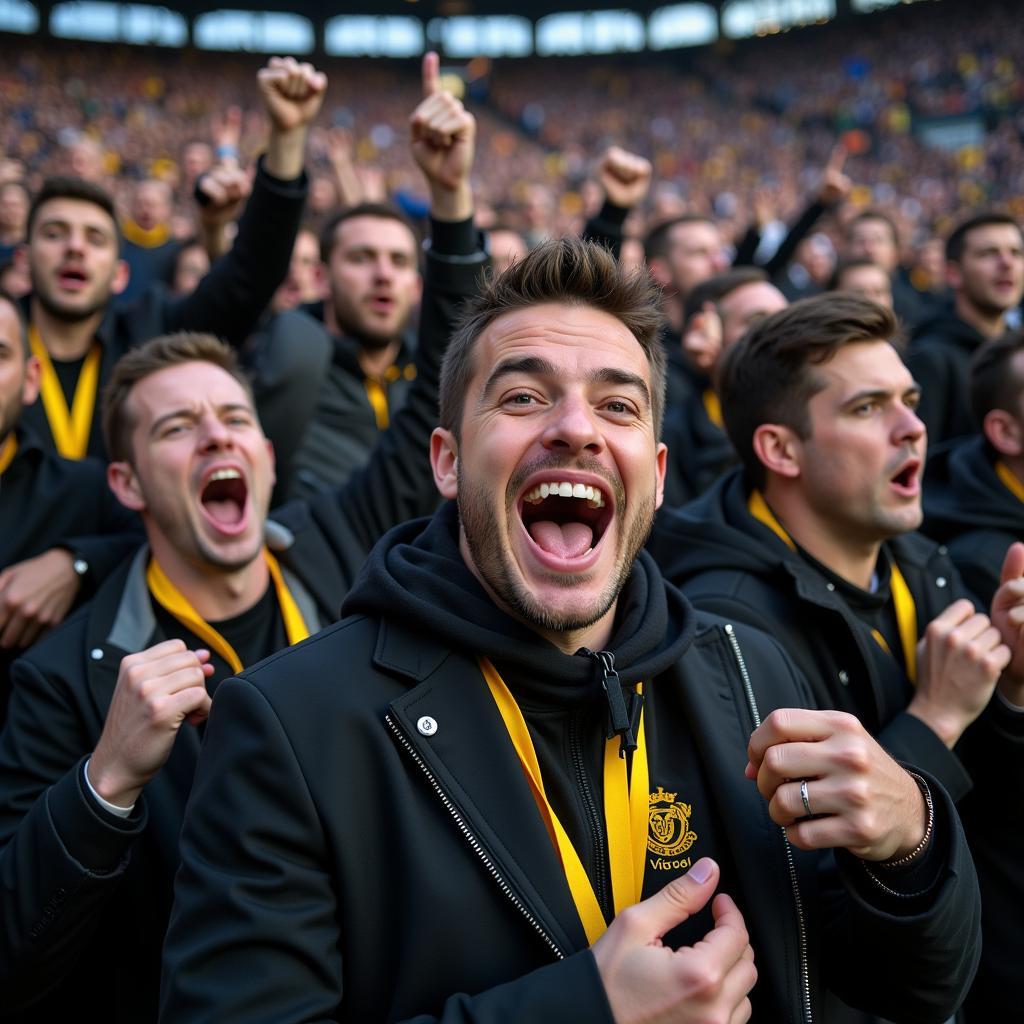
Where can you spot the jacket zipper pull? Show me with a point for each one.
(619, 721)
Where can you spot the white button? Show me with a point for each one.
(426, 726)
(941, 581)
(844, 677)
(830, 586)
(96, 653)
(81, 566)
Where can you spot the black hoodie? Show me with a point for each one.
(939, 357)
(423, 581)
(970, 510)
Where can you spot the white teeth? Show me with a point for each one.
(592, 495)
(225, 474)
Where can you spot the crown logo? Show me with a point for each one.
(661, 797)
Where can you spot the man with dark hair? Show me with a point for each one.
(872, 236)
(985, 270)
(370, 259)
(974, 489)
(150, 250)
(718, 313)
(73, 252)
(99, 752)
(813, 541)
(529, 723)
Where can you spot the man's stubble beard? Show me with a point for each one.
(64, 314)
(494, 563)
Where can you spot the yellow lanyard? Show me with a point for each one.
(168, 595)
(7, 452)
(70, 428)
(713, 408)
(378, 397)
(902, 599)
(1010, 481)
(625, 811)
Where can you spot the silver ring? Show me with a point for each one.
(803, 796)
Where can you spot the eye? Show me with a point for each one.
(619, 407)
(912, 401)
(865, 408)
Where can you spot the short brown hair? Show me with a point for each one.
(993, 382)
(140, 363)
(768, 376)
(565, 270)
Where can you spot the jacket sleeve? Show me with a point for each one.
(397, 482)
(61, 856)
(231, 297)
(260, 891)
(910, 957)
(606, 227)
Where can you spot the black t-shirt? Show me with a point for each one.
(254, 634)
(68, 371)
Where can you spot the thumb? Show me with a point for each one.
(431, 73)
(681, 898)
(837, 157)
(1013, 563)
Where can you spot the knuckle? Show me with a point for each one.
(775, 759)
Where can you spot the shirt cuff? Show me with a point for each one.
(120, 812)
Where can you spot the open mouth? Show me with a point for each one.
(566, 520)
(224, 499)
(71, 277)
(906, 480)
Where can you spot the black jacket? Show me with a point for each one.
(385, 859)
(970, 510)
(227, 302)
(46, 502)
(86, 895)
(699, 451)
(939, 357)
(727, 562)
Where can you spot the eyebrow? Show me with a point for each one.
(190, 414)
(537, 367)
(61, 222)
(882, 393)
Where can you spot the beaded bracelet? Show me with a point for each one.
(916, 852)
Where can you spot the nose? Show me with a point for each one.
(573, 427)
(383, 269)
(214, 435)
(909, 427)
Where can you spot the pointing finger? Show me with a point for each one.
(431, 73)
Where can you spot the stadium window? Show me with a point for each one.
(127, 23)
(484, 37)
(682, 25)
(594, 32)
(365, 36)
(257, 31)
(765, 17)
(867, 6)
(18, 16)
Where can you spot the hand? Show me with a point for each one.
(625, 177)
(861, 799)
(35, 595)
(227, 187)
(646, 981)
(765, 206)
(959, 660)
(339, 147)
(835, 186)
(157, 689)
(443, 143)
(702, 338)
(292, 92)
(1008, 617)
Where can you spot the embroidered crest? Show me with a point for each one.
(669, 824)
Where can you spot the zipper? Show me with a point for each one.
(801, 926)
(474, 843)
(594, 818)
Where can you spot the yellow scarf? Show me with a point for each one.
(145, 238)
(1010, 481)
(7, 452)
(171, 598)
(70, 428)
(625, 810)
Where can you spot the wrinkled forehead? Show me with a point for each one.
(864, 366)
(184, 386)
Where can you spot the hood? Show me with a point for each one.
(416, 575)
(947, 328)
(962, 490)
(715, 532)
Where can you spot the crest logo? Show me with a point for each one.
(669, 824)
